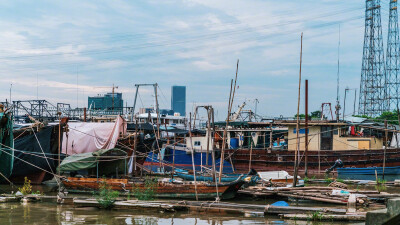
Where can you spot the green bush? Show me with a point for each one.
(380, 185)
(106, 196)
(27, 188)
(147, 192)
(316, 216)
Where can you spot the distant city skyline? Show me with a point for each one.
(67, 51)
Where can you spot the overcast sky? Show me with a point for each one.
(64, 51)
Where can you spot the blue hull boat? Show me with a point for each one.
(183, 160)
(391, 173)
(226, 178)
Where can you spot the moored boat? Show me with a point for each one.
(369, 173)
(185, 190)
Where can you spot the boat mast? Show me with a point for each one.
(306, 131)
(337, 88)
(192, 150)
(298, 121)
(231, 96)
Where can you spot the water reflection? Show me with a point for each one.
(51, 213)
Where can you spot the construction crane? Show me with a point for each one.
(236, 115)
(113, 91)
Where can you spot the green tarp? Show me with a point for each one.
(89, 160)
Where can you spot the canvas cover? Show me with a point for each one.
(30, 150)
(87, 160)
(395, 138)
(7, 144)
(89, 137)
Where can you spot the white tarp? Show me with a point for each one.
(394, 143)
(89, 137)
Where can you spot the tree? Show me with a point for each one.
(316, 114)
(391, 117)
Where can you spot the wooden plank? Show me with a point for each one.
(327, 217)
(293, 209)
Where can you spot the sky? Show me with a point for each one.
(65, 51)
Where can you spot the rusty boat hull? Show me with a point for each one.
(318, 161)
(161, 189)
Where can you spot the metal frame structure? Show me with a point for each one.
(156, 107)
(372, 98)
(392, 59)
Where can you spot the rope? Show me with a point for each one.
(43, 152)
(26, 161)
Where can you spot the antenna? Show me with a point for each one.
(37, 86)
(337, 89)
(77, 87)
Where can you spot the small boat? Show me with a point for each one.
(190, 177)
(368, 173)
(162, 189)
(186, 175)
(277, 176)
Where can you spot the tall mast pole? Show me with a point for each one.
(298, 119)
(337, 89)
(306, 132)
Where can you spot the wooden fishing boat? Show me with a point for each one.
(318, 161)
(184, 190)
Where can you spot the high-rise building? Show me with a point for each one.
(178, 99)
(108, 101)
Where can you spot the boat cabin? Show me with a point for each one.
(332, 135)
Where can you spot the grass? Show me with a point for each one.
(147, 192)
(27, 188)
(339, 180)
(106, 196)
(380, 185)
(316, 216)
(328, 179)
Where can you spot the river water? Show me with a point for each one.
(41, 213)
(51, 213)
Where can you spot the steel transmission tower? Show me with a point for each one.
(372, 100)
(392, 59)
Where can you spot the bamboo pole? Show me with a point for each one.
(59, 146)
(231, 97)
(234, 88)
(306, 131)
(135, 146)
(251, 153)
(384, 152)
(208, 134)
(270, 137)
(298, 121)
(221, 164)
(213, 148)
(192, 150)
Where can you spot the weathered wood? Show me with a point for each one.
(327, 217)
(161, 189)
(269, 209)
(320, 199)
(131, 204)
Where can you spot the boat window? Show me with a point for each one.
(197, 143)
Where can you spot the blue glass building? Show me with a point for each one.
(178, 99)
(106, 101)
